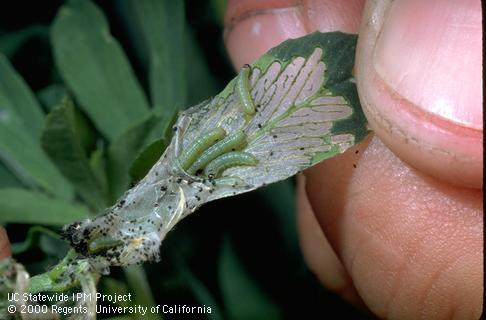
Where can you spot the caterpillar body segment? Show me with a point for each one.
(231, 159)
(243, 91)
(190, 155)
(103, 243)
(232, 142)
(231, 181)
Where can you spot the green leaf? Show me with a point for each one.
(112, 286)
(85, 131)
(96, 69)
(199, 77)
(159, 25)
(242, 297)
(305, 106)
(61, 142)
(24, 156)
(281, 198)
(155, 143)
(147, 158)
(98, 166)
(7, 178)
(339, 51)
(11, 42)
(23, 206)
(122, 152)
(52, 95)
(21, 120)
(200, 291)
(218, 8)
(17, 100)
(139, 285)
(53, 246)
(32, 239)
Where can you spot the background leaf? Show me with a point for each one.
(96, 69)
(7, 178)
(32, 239)
(243, 299)
(17, 100)
(122, 152)
(24, 156)
(147, 158)
(156, 23)
(60, 141)
(138, 283)
(23, 206)
(200, 79)
(113, 286)
(280, 197)
(53, 246)
(98, 166)
(11, 42)
(52, 95)
(200, 291)
(21, 120)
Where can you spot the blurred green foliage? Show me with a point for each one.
(88, 92)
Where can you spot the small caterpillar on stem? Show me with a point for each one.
(103, 243)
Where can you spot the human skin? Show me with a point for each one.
(4, 244)
(402, 233)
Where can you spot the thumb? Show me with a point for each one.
(419, 78)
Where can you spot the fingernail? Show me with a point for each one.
(429, 52)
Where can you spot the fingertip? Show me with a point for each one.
(254, 26)
(318, 253)
(421, 99)
(412, 245)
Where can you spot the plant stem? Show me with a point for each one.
(49, 281)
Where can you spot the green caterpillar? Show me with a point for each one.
(228, 160)
(243, 90)
(202, 143)
(233, 142)
(103, 243)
